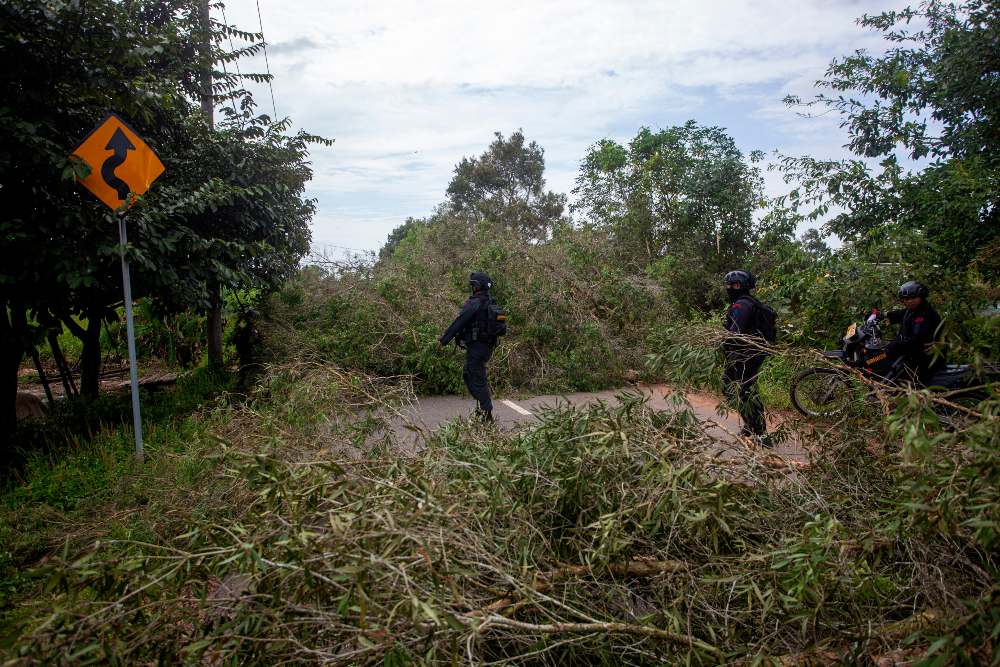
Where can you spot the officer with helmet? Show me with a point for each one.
(468, 332)
(743, 357)
(918, 329)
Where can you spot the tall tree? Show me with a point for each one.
(65, 64)
(61, 67)
(683, 197)
(506, 185)
(923, 119)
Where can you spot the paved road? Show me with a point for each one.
(428, 412)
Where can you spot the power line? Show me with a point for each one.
(260, 22)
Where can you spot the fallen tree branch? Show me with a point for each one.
(544, 581)
(606, 628)
(634, 568)
(896, 630)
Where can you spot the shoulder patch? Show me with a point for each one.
(918, 320)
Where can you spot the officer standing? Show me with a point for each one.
(469, 331)
(744, 356)
(919, 325)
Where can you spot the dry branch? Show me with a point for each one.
(544, 581)
(602, 628)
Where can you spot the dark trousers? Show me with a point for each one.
(740, 382)
(474, 373)
(913, 372)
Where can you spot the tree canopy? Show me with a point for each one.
(506, 185)
(683, 197)
(923, 119)
(229, 209)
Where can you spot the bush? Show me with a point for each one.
(609, 534)
(577, 320)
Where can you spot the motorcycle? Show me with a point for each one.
(826, 391)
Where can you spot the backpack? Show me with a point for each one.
(764, 320)
(493, 320)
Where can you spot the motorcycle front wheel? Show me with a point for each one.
(957, 418)
(821, 392)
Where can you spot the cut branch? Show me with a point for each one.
(605, 628)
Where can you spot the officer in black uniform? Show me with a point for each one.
(469, 330)
(919, 325)
(743, 358)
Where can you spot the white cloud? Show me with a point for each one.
(407, 89)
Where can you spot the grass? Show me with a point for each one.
(83, 482)
(273, 530)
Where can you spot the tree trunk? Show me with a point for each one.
(69, 387)
(11, 354)
(42, 377)
(90, 356)
(214, 325)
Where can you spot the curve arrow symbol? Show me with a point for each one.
(120, 144)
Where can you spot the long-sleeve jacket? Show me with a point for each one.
(740, 320)
(918, 329)
(466, 318)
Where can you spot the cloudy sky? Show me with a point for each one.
(408, 88)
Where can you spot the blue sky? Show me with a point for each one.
(407, 89)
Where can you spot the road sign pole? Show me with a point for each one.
(132, 365)
(122, 167)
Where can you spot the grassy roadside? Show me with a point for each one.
(82, 483)
(279, 529)
(89, 490)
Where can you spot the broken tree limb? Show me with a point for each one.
(544, 581)
(605, 628)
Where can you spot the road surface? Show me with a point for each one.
(422, 417)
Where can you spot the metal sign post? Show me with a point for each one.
(122, 167)
(133, 367)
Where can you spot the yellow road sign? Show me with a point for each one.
(122, 166)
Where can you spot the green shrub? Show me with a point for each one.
(576, 321)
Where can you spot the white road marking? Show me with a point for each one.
(515, 407)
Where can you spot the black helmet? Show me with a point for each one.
(744, 278)
(912, 289)
(479, 280)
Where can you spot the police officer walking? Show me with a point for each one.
(919, 324)
(743, 355)
(469, 331)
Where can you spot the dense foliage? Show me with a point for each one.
(919, 199)
(577, 320)
(923, 121)
(229, 210)
(679, 203)
(610, 534)
(506, 185)
(582, 302)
